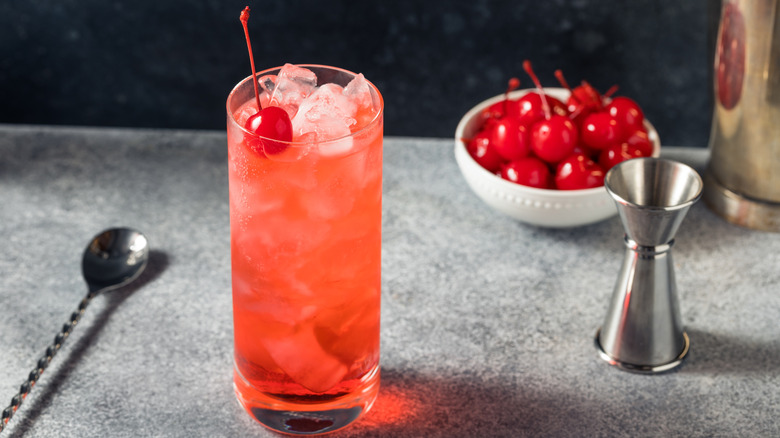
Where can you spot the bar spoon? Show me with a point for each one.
(113, 258)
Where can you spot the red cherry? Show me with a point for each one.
(483, 152)
(640, 140)
(617, 153)
(556, 106)
(578, 172)
(271, 123)
(274, 125)
(554, 139)
(575, 108)
(509, 138)
(600, 130)
(577, 113)
(531, 109)
(584, 99)
(528, 171)
(506, 107)
(627, 113)
(509, 108)
(589, 98)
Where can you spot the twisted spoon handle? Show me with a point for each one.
(43, 362)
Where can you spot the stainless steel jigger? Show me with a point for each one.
(643, 332)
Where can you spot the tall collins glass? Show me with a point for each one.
(305, 237)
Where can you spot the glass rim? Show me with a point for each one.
(259, 74)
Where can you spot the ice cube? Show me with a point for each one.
(293, 84)
(327, 101)
(336, 194)
(323, 125)
(301, 357)
(359, 92)
(268, 83)
(244, 113)
(330, 201)
(366, 100)
(309, 137)
(352, 336)
(328, 114)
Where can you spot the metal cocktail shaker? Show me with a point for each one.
(742, 180)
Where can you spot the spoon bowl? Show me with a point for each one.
(113, 258)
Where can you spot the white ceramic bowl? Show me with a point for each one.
(541, 207)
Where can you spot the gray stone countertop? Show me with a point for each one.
(487, 325)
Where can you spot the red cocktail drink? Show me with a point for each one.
(305, 219)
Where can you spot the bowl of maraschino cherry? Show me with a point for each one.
(539, 155)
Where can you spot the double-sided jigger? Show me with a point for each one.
(642, 331)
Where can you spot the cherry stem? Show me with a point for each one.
(562, 80)
(612, 90)
(511, 86)
(589, 89)
(564, 84)
(244, 19)
(528, 69)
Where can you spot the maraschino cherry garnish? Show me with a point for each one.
(270, 122)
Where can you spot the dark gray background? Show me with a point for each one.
(156, 63)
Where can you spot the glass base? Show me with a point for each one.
(307, 418)
(305, 423)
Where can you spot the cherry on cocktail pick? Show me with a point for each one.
(271, 122)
